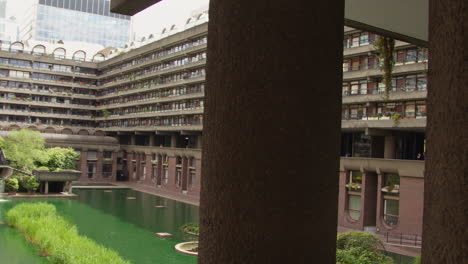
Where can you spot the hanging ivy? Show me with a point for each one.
(385, 47)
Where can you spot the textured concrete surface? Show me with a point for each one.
(270, 150)
(445, 229)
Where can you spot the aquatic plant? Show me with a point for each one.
(57, 238)
(190, 228)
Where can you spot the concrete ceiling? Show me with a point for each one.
(405, 20)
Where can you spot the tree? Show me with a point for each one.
(24, 149)
(60, 158)
(385, 47)
(359, 248)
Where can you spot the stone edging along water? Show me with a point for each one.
(179, 248)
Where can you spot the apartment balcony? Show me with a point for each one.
(36, 70)
(153, 100)
(151, 62)
(195, 79)
(47, 104)
(51, 82)
(404, 168)
(374, 95)
(399, 121)
(154, 74)
(152, 128)
(44, 114)
(187, 111)
(365, 49)
(25, 55)
(196, 153)
(42, 126)
(47, 93)
(364, 72)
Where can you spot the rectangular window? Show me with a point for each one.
(354, 206)
(391, 211)
(92, 155)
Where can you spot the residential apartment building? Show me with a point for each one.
(138, 117)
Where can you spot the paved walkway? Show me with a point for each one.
(184, 198)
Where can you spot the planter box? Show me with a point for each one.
(57, 176)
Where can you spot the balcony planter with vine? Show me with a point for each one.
(354, 186)
(391, 189)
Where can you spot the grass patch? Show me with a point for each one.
(57, 238)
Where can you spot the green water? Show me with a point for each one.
(127, 226)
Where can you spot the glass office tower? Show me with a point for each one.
(76, 20)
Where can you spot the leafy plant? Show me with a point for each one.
(359, 248)
(190, 228)
(11, 185)
(385, 47)
(60, 158)
(24, 148)
(105, 113)
(31, 183)
(417, 260)
(396, 118)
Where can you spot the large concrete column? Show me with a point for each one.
(160, 170)
(149, 169)
(389, 148)
(152, 140)
(173, 141)
(185, 172)
(270, 168)
(130, 157)
(132, 140)
(445, 229)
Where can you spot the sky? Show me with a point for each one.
(164, 14)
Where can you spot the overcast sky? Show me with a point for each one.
(163, 14)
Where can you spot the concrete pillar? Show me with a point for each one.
(138, 173)
(83, 165)
(132, 140)
(280, 63)
(160, 170)
(99, 161)
(130, 165)
(149, 169)
(151, 140)
(173, 141)
(114, 166)
(70, 187)
(389, 149)
(446, 190)
(46, 187)
(184, 174)
(199, 142)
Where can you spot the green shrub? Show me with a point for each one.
(30, 183)
(190, 228)
(359, 248)
(57, 238)
(417, 260)
(11, 185)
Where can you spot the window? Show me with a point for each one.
(391, 211)
(166, 175)
(107, 154)
(92, 155)
(354, 206)
(91, 170)
(106, 170)
(178, 177)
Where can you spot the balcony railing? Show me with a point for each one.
(402, 239)
(373, 91)
(384, 116)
